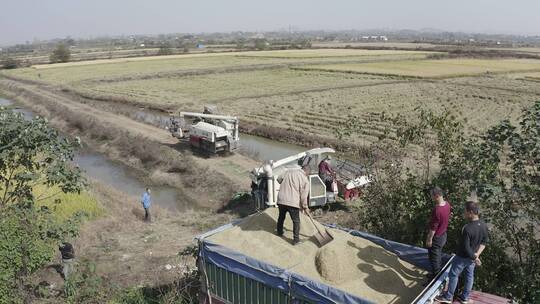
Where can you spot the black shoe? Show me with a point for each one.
(460, 300)
(441, 299)
(296, 242)
(279, 234)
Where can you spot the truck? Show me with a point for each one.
(208, 132)
(237, 264)
(233, 274)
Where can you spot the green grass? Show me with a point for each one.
(66, 205)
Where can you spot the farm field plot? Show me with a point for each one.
(320, 113)
(520, 82)
(68, 74)
(535, 76)
(104, 70)
(402, 45)
(217, 88)
(321, 53)
(435, 68)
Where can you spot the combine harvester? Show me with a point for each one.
(207, 131)
(350, 178)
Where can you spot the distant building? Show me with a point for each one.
(200, 46)
(383, 38)
(142, 45)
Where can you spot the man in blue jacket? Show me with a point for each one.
(146, 202)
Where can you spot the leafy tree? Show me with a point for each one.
(10, 63)
(261, 44)
(165, 49)
(60, 54)
(31, 154)
(502, 165)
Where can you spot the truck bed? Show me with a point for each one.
(359, 268)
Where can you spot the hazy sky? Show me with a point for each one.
(22, 20)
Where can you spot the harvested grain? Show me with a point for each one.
(365, 269)
(329, 264)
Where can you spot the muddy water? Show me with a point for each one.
(122, 178)
(266, 149)
(119, 176)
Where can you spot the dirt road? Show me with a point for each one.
(234, 167)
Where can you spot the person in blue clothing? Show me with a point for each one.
(146, 201)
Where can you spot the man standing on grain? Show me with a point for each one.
(474, 237)
(438, 224)
(146, 201)
(292, 198)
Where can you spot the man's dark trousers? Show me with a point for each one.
(435, 252)
(295, 217)
(147, 216)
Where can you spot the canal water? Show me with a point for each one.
(119, 176)
(124, 179)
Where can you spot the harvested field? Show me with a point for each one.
(534, 76)
(285, 96)
(515, 82)
(320, 113)
(435, 68)
(217, 88)
(349, 263)
(107, 70)
(329, 53)
(401, 45)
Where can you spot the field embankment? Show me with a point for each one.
(150, 150)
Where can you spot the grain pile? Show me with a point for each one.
(349, 263)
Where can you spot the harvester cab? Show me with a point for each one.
(207, 131)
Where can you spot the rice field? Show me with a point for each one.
(322, 53)
(435, 68)
(148, 67)
(222, 87)
(320, 113)
(310, 91)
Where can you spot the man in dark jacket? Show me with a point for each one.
(68, 257)
(474, 237)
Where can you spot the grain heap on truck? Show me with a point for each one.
(207, 131)
(246, 262)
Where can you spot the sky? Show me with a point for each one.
(25, 20)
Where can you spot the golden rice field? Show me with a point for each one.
(309, 91)
(222, 87)
(435, 68)
(147, 67)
